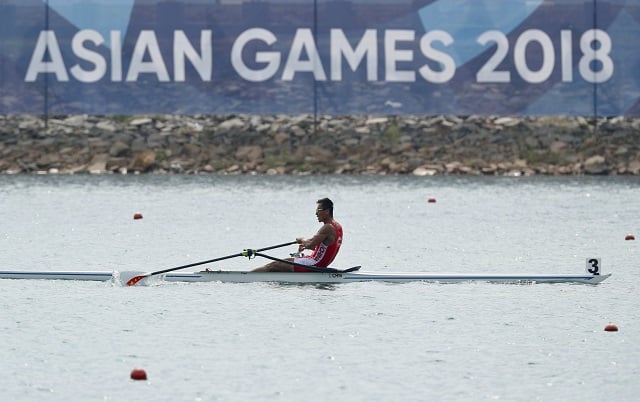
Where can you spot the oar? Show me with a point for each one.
(244, 253)
(310, 268)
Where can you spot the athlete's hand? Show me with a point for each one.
(301, 241)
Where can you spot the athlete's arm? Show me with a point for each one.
(326, 235)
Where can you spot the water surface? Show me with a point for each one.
(68, 340)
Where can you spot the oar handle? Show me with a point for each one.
(277, 246)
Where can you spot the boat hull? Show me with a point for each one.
(307, 277)
(337, 277)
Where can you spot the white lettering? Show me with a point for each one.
(47, 42)
(93, 57)
(147, 43)
(566, 45)
(116, 56)
(303, 41)
(447, 62)
(487, 72)
(595, 45)
(182, 48)
(271, 59)
(520, 56)
(340, 46)
(255, 57)
(393, 55)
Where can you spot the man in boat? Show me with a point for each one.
(325, 244)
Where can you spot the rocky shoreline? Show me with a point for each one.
(247, 144)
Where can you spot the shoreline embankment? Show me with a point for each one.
(278, 144)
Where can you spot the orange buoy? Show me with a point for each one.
(137, 215)
(431, 200)
(630, 237)
(611, 328)
(138, 374)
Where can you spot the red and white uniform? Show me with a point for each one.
(322, 254)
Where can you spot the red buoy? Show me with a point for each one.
(138, 374)
(611, 328)
(431, 200)
(630, 237)
(137, 215)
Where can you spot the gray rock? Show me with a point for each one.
(596, 165)
(119, 149)
(140, 122)
(98, 164)
(106, 126)
(231, 124)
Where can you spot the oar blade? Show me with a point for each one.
(135, 279)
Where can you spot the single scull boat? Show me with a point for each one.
(309, 277)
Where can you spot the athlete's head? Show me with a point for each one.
(325, 204)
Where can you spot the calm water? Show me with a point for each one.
(66, 340)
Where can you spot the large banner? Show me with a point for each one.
(463, 57)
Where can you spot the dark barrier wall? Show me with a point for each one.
(511, 57)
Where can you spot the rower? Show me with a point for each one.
(325, 244)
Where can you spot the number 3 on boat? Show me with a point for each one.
(593, 266)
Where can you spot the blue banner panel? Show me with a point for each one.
(463, 57)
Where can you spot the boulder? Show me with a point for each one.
(119, 149)
(596, 165)
(249, 153)
(143, 161)
(98, 164)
